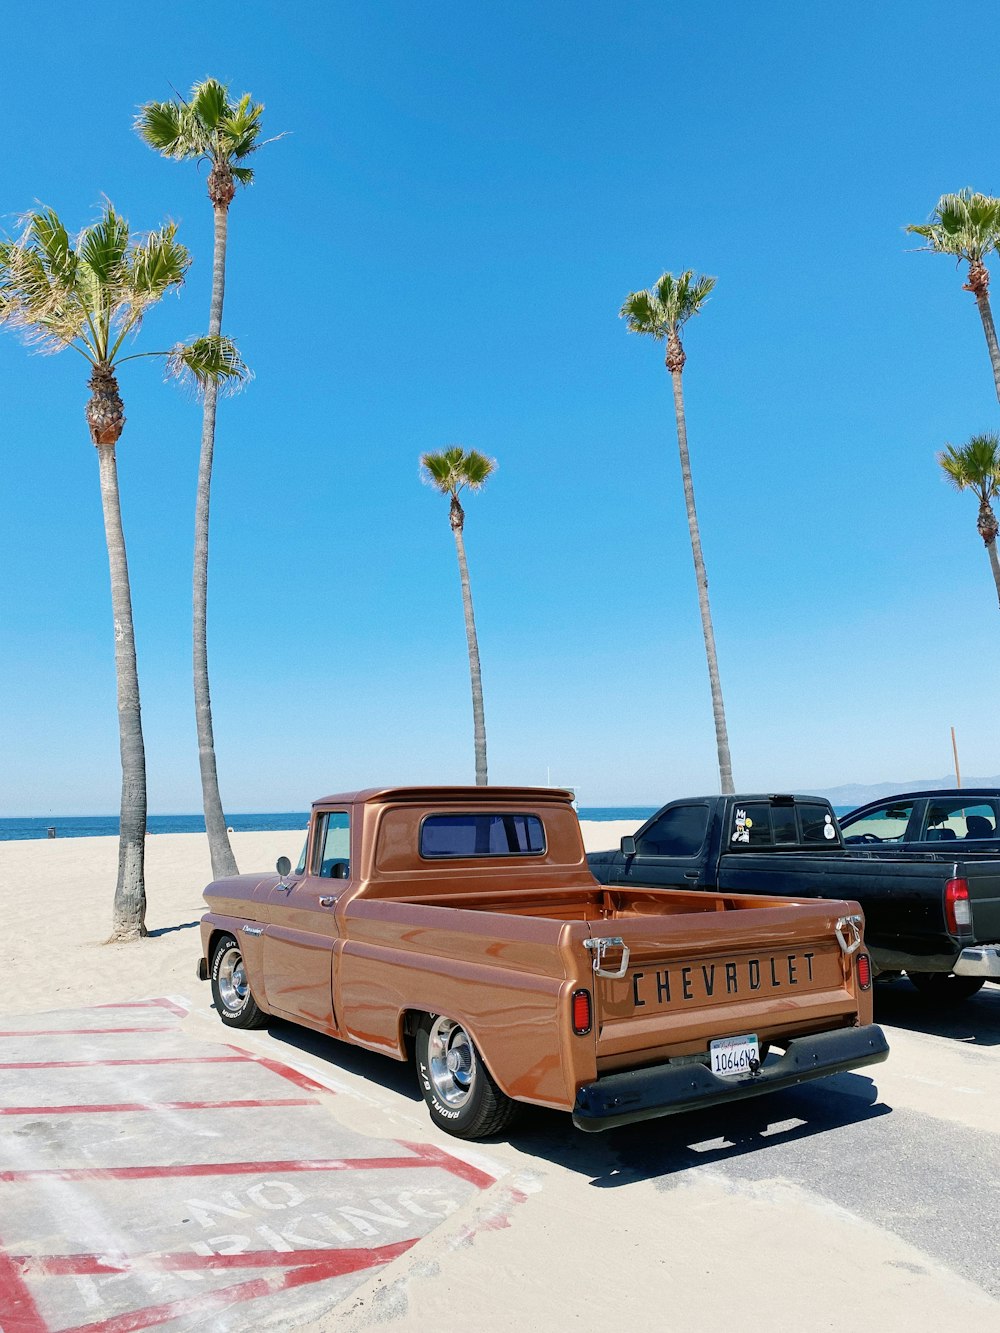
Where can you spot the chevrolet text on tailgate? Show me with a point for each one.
(462, 926)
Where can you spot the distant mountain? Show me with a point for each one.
(854, 794)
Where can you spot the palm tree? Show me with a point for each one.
(967, 226)
(210, 128)
(449, 472)
(91, 294)
(975, 466)
(661, 313)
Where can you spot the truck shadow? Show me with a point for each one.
(395, 1075)
(670, 1146)
(975, 1022)
(649, 1150)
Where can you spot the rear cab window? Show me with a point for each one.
(444, 837)
(756, 824)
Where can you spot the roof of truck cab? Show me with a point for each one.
(486, 795)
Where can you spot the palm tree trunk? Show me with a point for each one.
(721, 735)
(478, 717)
(130, 892)
(986, 315)
(223, 860)
(991, 551)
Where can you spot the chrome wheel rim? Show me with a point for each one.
(232, 978)
(451, 1057)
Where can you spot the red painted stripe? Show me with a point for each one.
(243, 1291)
(160, 1003)
(436, 1157)
(154, 1106)
(82, 1032)
(105, 1064)
(224, 1169)
(18, 1310)
(292, 1075)
(94, 1265)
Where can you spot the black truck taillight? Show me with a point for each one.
(582, 1020)
(957, 907)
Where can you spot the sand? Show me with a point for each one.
(570, 1236)
(56, 898)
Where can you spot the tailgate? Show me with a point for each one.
(695, 977)
(983, 879)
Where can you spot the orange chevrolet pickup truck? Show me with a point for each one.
(461, 926)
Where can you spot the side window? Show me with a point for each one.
(481, 835)
(886, 824)
(752, 825)
(332, 859)
(947, 820)
(300, 868)
(679, 831)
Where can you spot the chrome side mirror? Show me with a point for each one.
(283, 866)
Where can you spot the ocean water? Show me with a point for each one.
(96, 826)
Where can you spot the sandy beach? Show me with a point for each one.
(832, 1202)
(56, 897)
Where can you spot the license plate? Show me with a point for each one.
(731, 1056)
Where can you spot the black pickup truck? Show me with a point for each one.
(934, 914)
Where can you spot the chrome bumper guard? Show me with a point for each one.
(643, 1094)
(979, 960)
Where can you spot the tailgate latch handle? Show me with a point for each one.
(853, 926)
(599, 948)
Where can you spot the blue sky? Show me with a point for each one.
(436, 253)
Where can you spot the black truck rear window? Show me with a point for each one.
(481, 835)
(761, 824)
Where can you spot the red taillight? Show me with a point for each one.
(957, 908)
(863, 971)
(581, 1012)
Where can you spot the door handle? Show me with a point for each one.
(327, 902)
(690, 874)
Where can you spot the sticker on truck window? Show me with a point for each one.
(742, 826)
(829, 832)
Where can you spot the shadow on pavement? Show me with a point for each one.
(651, 1149)
(674, 1144)
(395, 1075)
(975, 1021)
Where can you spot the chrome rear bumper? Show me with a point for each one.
(979, 960)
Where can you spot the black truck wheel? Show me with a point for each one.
(231, 992)
(459, 1090)
(945, 987)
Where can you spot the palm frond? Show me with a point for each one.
(451, 470)
(965, 225)
(974, 465)
(212, 359)
(103, 246)
(157, 264)
(644, 314)
(209, 103)
(162, 126)
(682, 297)
(244, 175)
